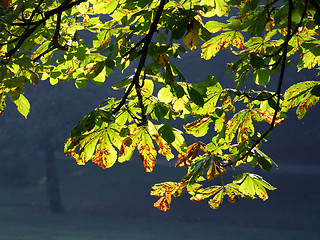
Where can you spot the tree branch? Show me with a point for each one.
(278, 92)
(144, 52)
(66, 5)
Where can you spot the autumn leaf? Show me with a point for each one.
(126, 149)
(233, 124)
(164, 147)
(199, 127)
(165, 191)
(6, 3)
(268, 116)
(192, 152)
(220, 7)
(23, 104)
(162, 59)
(295, 94)
(163, 203)
(105, 155)
(191, 39)
(233, 198)
(202, 194)
(216, 201)
(222, 41)
(214, 171)
(147, 151)
(306, 103)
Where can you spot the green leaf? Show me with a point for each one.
(214, 26)
(177, 90)
(256, 61)
(166, 132)
(233, 124)
(178, 29)
(258, 24)
(316, 90)
(222, 41)
(104, 7)
(220, 7)
(165, 95)
(253, 184)
(198, 128)
(22, 104)
(261, 76)
(195, 96)
(261, 158)
(128, 146)
(88, 146)
(179, 142)
(83, 7)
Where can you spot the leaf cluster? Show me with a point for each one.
(43, 41)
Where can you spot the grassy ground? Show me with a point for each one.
(115, 205)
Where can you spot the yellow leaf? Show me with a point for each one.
(214, 171)
(270, 24)
(191, 39)
(163, 203)
(147, 151)
(192, 152)
(162, 59)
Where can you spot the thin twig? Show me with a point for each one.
(66, 5)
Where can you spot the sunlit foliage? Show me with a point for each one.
(147, 35)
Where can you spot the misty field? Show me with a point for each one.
(115, 204)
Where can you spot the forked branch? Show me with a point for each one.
(144, 51)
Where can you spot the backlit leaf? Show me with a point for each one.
(300, 95)
(214, 171)
(202, 194)
(128, 145)
(165, 191)
(222, 41)
(147, 151)
(22, 104)
(216, 201)
(191, 39)
(220, 7)
(199, 127)
(261, 76)
(306, 103)
(252, 184)
(105, 155)
(165, 95)
(192, 152)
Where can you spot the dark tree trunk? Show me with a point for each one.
(53, 190)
